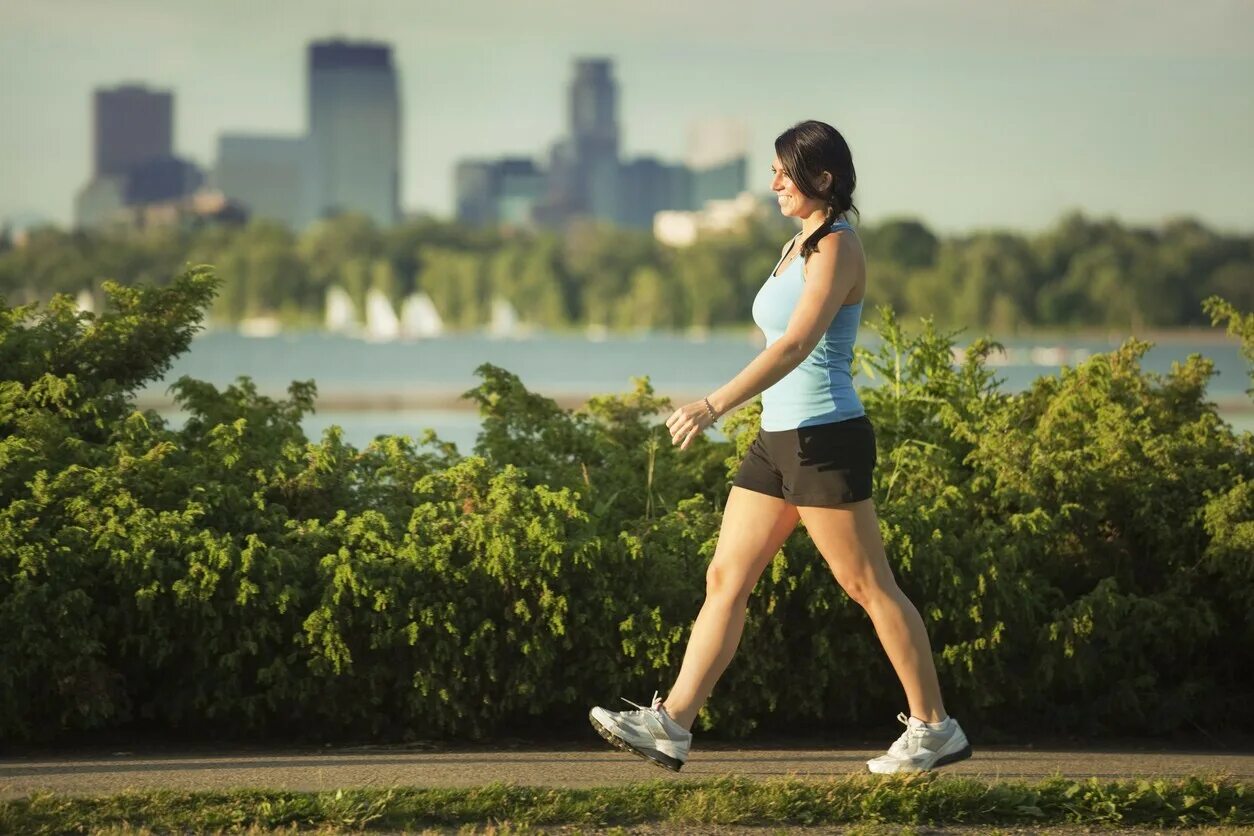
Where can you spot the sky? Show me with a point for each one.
(966, 115)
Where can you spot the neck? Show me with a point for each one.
(812, 222)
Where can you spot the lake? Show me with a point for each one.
(373, 388)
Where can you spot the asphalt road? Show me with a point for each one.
(111, 771)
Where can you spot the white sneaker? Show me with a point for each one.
(647, 732)
(920, 748)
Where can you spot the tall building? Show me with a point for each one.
(272, 176)
(519, 187)
(474, 187)
(504, 191)
(132, 125)
(586, 177)
(355, 129)
(133, 162)
(718, 157)
(594, 136)
(161, 179)
(720, 182)
(101, 202)
(649, 186)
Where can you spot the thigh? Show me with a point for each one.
(849, 539)
(755, 526)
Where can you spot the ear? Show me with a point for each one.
(827, 180)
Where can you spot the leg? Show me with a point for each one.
(754, 527)
(849, 539)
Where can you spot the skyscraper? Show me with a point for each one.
(133, 125)
(355, 129)
(502, 191)
(649, 186)
(594, 136)
(718, 157)
(270, 175)
(133, 163)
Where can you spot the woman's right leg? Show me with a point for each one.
(755, 526)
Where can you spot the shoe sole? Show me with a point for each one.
(953, 757)
(961, 755)
(653, 756)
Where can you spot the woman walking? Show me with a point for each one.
(812, 461)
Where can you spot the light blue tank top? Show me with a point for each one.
(820, 390)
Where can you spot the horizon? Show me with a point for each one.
(1130, 104)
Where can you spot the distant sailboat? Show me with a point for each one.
(419, 318)
(341, 313)
(504, 321)
(382, 323)
(260, 326)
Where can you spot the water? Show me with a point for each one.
(356, 378)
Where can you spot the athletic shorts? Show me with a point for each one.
(824, 465)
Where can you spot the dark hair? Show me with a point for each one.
(807, 149)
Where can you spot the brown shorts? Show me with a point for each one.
(824, 465)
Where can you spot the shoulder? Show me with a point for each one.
(838, 253)
(840, 240)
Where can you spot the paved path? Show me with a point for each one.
(563, 766)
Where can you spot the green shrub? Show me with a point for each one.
(1081, 552)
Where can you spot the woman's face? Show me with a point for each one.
(792, 202)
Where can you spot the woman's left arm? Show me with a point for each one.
(829, 278)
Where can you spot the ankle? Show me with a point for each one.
(680, 718)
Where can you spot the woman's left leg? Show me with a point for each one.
(849, 539)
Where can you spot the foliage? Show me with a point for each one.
(1082, 272)
(862, 800)
(1081, 552)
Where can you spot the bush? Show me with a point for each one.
(1080, 552)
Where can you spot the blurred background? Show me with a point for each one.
(395, 192)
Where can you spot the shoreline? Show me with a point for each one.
(450, 400)
(1205, 335)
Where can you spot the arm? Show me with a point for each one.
(830, 276)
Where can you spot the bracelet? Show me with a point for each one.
(710, 409)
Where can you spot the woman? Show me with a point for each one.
(812, 461)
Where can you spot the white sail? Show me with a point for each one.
(341, 313)
(419, 318)
(260, 326)
(381, 320)
(504, 322)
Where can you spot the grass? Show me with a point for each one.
(927, 799)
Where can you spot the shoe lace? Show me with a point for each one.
(908, 740)
(653, 705)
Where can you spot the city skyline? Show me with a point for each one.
(965, 119)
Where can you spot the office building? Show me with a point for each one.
(271, 176)
(648, 186)
(131, 125)
(133, 162)
(718, 156)
(355, 129)
(504, 191)
(594, 137)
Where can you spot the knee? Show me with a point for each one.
(724, 583)
(865, 589)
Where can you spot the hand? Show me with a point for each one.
(687, 422)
